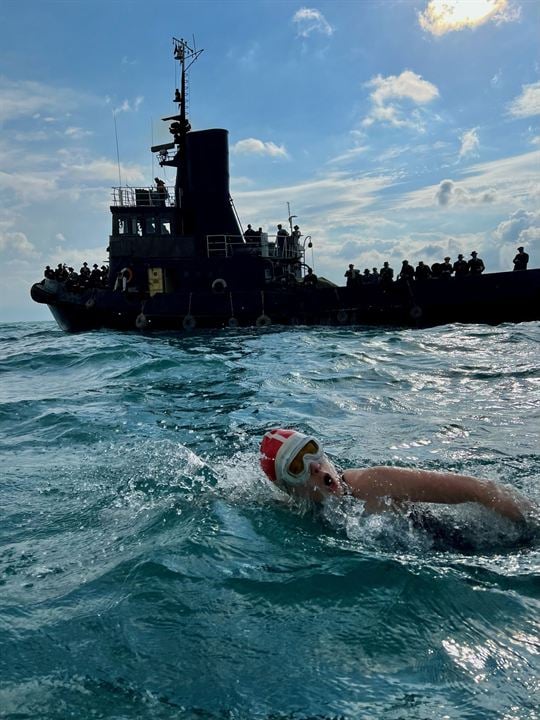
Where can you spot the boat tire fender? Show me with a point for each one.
(89, 304)
(232, 322)
(189, 322)
(263, 321)
(342, 317)
(416, 312)
(127, 273)
(219, 285)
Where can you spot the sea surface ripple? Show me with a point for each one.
(148, 570)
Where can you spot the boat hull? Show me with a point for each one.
(492, 298)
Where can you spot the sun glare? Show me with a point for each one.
(442, 16)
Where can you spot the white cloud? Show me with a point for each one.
(30, 99)
(16, 243)
(348, 155)
(253, 146)
(522, 228)
(390, 92)
(106, 170)
(127, 106)
(310, 20)
(77, 133)
(443, 16)
(469, 142)
(450, 193)
(528, 103)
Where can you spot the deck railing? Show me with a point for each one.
(264, 245)
(143, 197)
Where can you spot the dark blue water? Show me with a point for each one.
(148, 570)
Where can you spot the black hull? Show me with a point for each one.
(492, 299)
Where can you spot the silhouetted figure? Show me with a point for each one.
(446, 268)
(366, 277)
(250, 235)
(310, 279)
(386, 274)
(350, 274)
(161, 191)
(476, 264)
(281, 239)
(48, 273)
(422, 272)
(436, 270)
(406, 272)
(61, 273)
(375, 277)
(84, 272)
(461, 266)
(521, 260)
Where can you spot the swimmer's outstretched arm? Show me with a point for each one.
(374, 485)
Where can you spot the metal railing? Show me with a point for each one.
(143, 197)
(272, 246)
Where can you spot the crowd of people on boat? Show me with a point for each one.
(286, 244)
(87, 277)
(423, 272)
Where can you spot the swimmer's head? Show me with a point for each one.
(297, 462)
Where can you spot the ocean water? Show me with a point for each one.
(148, 570)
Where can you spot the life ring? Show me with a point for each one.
(232, 322)
(189, 322)
(127, 273)
(342, 317)
(141, 321)
(263, 320)
(89, 304)
(219, 285)
(416, 312)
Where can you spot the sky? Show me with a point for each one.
(395, 129)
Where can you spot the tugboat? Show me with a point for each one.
(179, 260)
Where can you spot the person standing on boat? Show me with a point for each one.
(161, 191)
(476, 264)
(281, 239)
(297, 464)
(461, 267)
(446, 268)
(386, 274)
(350, 274)
(310, 279)
(521, 260)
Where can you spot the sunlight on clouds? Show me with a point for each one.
(469, 142)
(528, 103)
(252, 146)
(442, 16)
(390, 91)
(310, 20)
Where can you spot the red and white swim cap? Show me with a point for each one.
(279, 447)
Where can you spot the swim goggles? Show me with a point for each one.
(294, 458)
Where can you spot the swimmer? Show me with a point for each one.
(297, 464)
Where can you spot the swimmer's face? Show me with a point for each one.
(323, 481)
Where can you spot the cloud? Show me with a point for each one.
(390, 92)
(77, 133)
(522, 228)
(252, 146)
(348, 155)
(16, 243)
(128, 106)
(449, 193)
(528, 103)
(310, 20)
(443, 16)
(26, 98)
(106, 170)
(469, 143)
